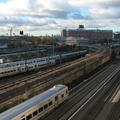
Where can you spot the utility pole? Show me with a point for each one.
(79, 48)
(60, 59)
(25, 58)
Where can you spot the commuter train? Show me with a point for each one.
(12, 68)
(56, 57)
(37, 107)
(9, 71)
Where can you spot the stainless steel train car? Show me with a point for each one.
(29, 61)
(33, 64)
(35, 60)
(37, 107)
(3, 65)
(11, 64)
(9, 71)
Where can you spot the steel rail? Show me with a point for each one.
(108, 79)
(32, 78)
(64, 115)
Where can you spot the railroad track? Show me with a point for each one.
(72, 105)
(16, 88)
(54, 71)
(115, 113)
(98, 106)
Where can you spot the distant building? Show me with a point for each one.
(92, 35)
(64, 33)
(117, 35)
(27, 42)
(75, 40)
(2, 60)
(3, 46)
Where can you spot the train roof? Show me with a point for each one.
(19, 109)
(13, 67)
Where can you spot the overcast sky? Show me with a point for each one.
(41, 17)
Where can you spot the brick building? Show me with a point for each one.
(92, 35)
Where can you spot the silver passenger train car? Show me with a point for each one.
(9, 71)
(35, 60)
(28, 61)
(37, 107)
(13, 68)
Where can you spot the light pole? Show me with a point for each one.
(53, 50)
(60, 59)
(79, 48)
(110, 54)
(25, 59)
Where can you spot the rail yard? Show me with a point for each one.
(30, 86)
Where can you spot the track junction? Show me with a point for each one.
(27, 87)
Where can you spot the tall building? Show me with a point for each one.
(92, 35)
(64, 32)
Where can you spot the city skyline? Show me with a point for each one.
(36, 17)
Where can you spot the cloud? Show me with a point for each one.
(48, 8)
(34, 13)
(56, 14)
(96, 3)
(17, 22)
(110, 13)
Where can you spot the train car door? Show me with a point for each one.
(19, 70)
(56, 100)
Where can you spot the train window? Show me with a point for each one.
(66, 92)
(50, 103)
(62, 95)
(23, 119)
(56, 98)
(45, 106)
(40, 109)
(35, 113)
(29, 117)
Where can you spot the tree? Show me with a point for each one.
(47, 41)
(37, 40)
(9, 58)
(105, 40)
(20, 57)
